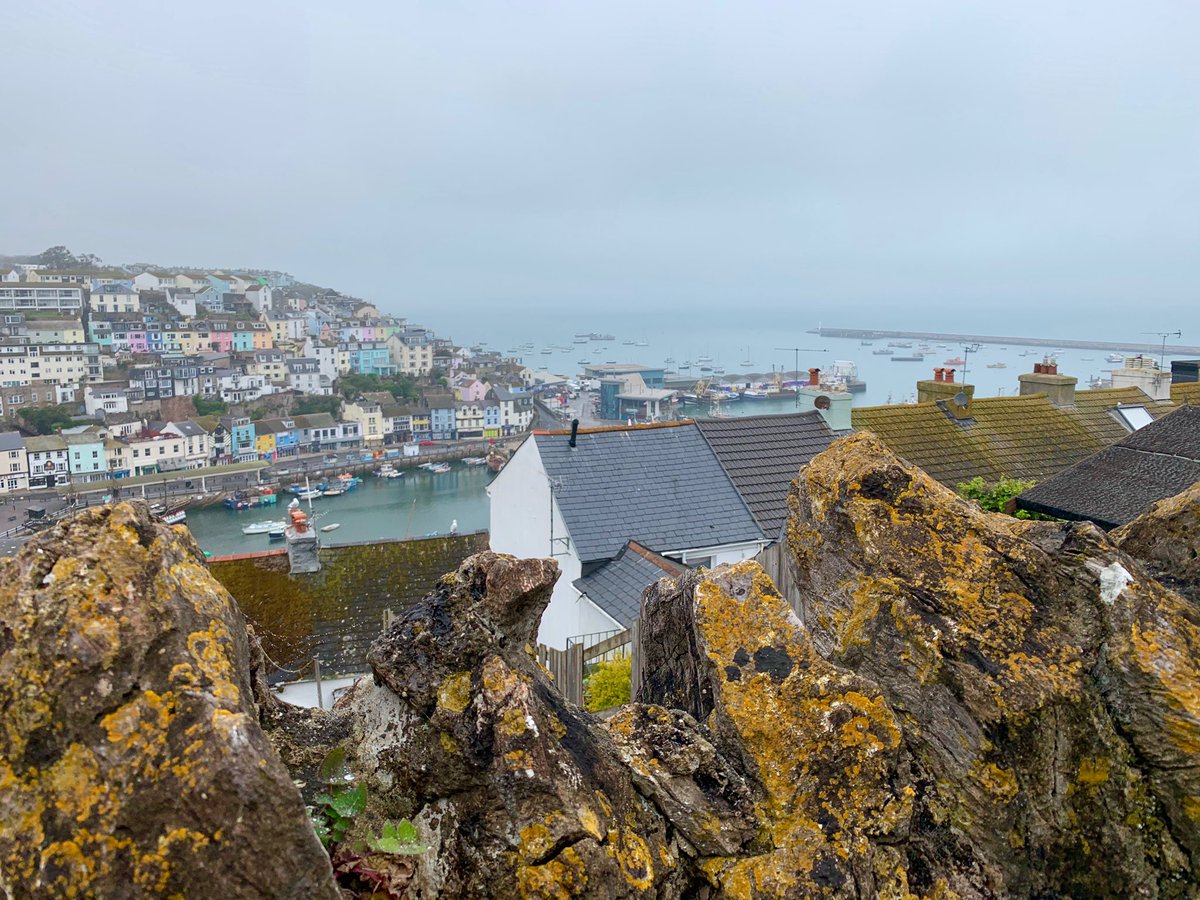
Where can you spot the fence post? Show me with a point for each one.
(317, 678)
(635, 658)
(573, 687)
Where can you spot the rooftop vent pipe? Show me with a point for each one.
(574, 432)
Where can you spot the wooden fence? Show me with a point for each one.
(777, 562)
(567, 667)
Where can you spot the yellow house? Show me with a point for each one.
(261, 335)
(264, 444)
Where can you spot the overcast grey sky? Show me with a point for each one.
(673, 153)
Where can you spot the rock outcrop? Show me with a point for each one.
(1166, 538)
(131, 758)
(1045, 687)
(967, 705)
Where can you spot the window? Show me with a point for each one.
(1133, 417)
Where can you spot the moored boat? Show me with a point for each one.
(258, 527)
(174, 518)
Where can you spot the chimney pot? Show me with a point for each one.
(1051, 368)
(574, 432)
(937, 374)
(814, 377)
(949, 375)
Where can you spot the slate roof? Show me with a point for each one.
(1120, 482)
(762, 455)
(616, 587)
(660, 485)
(1024, 437)
(11, 440)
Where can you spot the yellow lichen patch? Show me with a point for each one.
(821, 739)
(75, 783)
(1094, 769)
(138, 730)
(497, 678)
(449, 744)
(454, 694)
(1169, 657)
(633, 856)
(536, 840)
(562, 877)
(208, 651)
(519, 761)
(513, 722)
(590, 822)
(999, 782)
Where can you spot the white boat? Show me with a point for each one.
(309, 494)
(258, 527)
(175, 518)
(333, 492)
(387, 470)
(1114, 358)
(331, 526)
(475, 460)
(278, 531)
(440, 468)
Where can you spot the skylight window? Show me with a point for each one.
(1133, 417)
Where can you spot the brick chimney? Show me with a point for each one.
(1060, 389)
(943, 387)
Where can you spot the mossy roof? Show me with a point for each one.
(336, 614)
(1025, 437)
(1120, 482)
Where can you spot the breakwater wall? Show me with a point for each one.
(953, 338)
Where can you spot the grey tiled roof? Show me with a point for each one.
(616, 587)
(1117, 484)
(661, 486)
(11, 440)
(762, 454)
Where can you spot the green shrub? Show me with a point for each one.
(609, 684)
(998, 497)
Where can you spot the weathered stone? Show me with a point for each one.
(819, 743)
(519, 792)
(131, 759)
(1046, 687)
(1166, 539)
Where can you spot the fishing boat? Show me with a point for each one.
(997, 365)
(258, 527)
(957, 361)
(756, 394)
(440, 468)
(882, 352)
(1114, 358)
(333, 491)
(331, 526)
(908, 359)
(310, 493)
(387, 470)
(174, 518)
(278, 531)
(475, 460)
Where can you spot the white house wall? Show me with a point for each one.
(520, 520)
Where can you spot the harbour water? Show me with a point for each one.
(419, 504)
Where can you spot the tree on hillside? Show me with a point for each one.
(206, 406)
(311, 403)
(402, 387)
(998, 497)
(47, 419)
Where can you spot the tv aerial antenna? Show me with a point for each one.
(1162, 354)
(798, 351)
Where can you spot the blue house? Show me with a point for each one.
(242, 438)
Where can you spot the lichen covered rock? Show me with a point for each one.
(518, 792)
(1045, 686)
(1166, 539)
(131, 758)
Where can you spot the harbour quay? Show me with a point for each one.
(951, 338)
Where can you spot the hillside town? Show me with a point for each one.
(120, 372)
